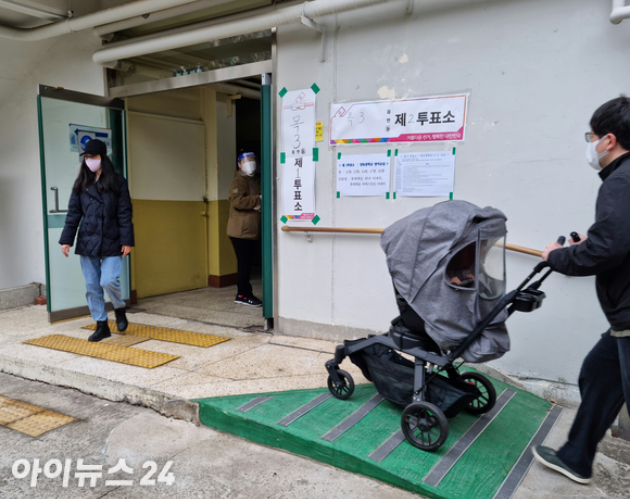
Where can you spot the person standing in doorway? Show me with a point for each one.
(605, 253)
(100, 202)
(244, 222)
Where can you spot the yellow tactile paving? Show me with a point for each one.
(28, 418)
(40, 423)
(166, 334)
(125, 341)
(12, 410)
(115, 353)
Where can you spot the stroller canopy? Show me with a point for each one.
(445, 262)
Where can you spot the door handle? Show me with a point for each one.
(57, 210)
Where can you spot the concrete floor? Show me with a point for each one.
(248, 363)
(206, 463)
(211, 305)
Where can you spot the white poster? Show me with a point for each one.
(428, 119)
(298, 188)
(427, 174)
(298, 123)
(363, 174)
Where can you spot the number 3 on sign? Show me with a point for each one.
(360, 119)
(164, 477)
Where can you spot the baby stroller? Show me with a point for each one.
(447, 264)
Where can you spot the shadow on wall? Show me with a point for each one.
(9, 219)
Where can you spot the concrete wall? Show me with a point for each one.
(535, 70)
(65, 62)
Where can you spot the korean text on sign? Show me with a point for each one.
(430, 119)
(363, 175)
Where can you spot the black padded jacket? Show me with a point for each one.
(105, 219)
(606, 252)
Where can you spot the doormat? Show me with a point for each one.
(115, 353)
(166, 334)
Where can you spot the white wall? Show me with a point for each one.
(166, 158)
(66, 62)
(536, 71)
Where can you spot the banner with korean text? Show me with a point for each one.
(298, 154)
(427, 119)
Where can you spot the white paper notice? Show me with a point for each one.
(298, 123)
(363, 175)
(427, 119)
(298, 188)
(428, 174)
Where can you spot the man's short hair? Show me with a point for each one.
(613, 117)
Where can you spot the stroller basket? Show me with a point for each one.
(393, 376)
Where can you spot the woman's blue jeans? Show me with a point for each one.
(102, 273)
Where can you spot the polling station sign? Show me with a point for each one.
(427, 119)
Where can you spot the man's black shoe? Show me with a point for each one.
(121, 319)
(549, 458)
(102, 331)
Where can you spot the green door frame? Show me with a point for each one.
(267, 177)
(119, 154)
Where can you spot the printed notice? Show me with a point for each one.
(298, 123)
(298, 188)
(363, 175)
(298, 143)
(424, 174)
(428, 119)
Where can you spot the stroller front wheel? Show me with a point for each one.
(488, 397)
(342, 389)
(425, 426)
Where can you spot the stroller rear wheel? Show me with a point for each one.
(488, 397)
(425, 426)
(344, 389)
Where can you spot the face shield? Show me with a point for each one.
(248, 163)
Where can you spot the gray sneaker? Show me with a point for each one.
(549, 458)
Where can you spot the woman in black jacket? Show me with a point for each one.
(100, 202)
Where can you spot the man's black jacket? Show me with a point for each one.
(105, 221)
(606, 252)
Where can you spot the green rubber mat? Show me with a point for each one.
(297, 420)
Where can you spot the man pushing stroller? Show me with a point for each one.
(605, 253)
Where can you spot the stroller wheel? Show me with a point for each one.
(424, 425)
(488, 397)
(344, 389)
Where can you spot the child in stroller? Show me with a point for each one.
(447, 264)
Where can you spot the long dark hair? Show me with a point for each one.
(108, 180)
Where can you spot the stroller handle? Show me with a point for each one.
(540, 267)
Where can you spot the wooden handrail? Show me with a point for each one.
(346, 230)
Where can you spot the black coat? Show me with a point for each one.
(105, 219)
(606, 252)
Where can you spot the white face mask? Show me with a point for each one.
(248, 168)
(592, 156)
(93, 164)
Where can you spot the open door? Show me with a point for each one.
(67, 120)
